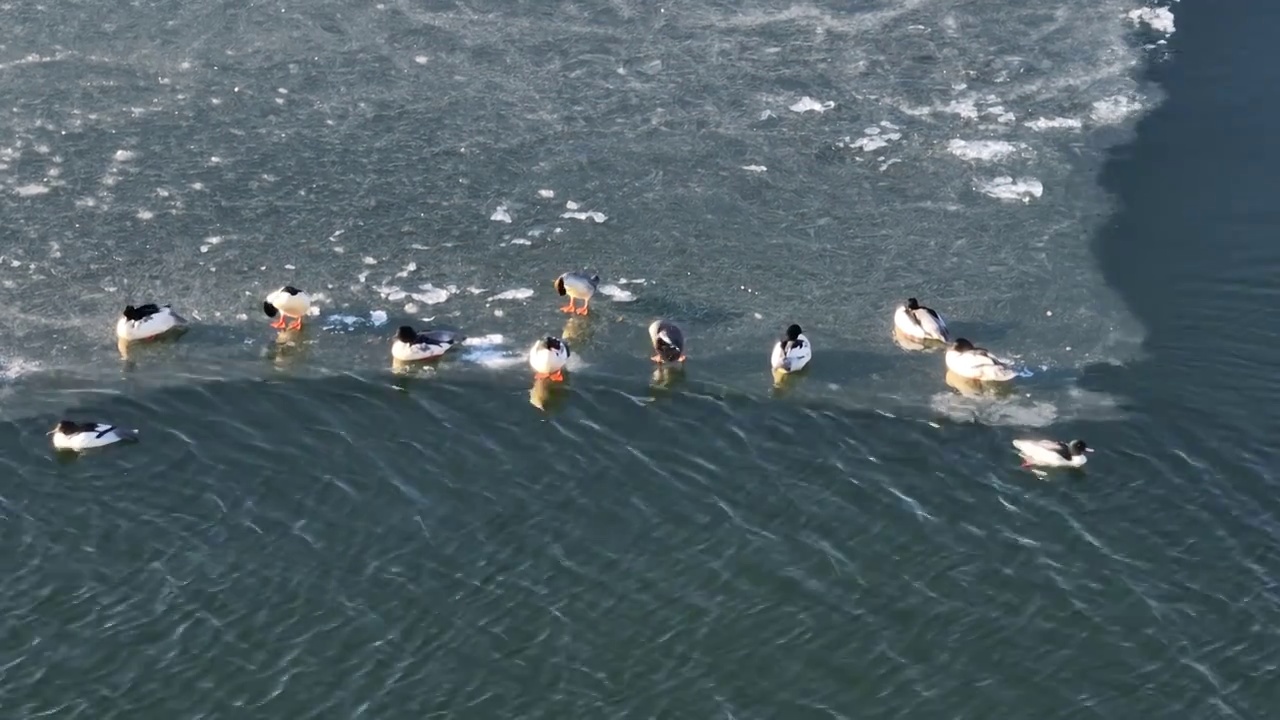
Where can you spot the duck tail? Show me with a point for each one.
(560, 286)
(595, 279)
(269, 309)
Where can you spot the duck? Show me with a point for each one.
(975, 363)
(411, 346)
(548, 356)
(792, 352)
(146, 322)
(287, 302)
(1051, 453)
(667, 340)
(579, 286)
(72, 435)
(919, 322)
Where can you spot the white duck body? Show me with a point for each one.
(147, 321)
(977, 363)
(411, 346)
(791, 353)
(920, 323)
(549, 355)
(71, 435)
(1051, 453)
(289, 301)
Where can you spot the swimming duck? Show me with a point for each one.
(548, 356)
(919, 322)
(287, 302)
(578, 286)
(667, 340)
(411, 346)
(1051, 453)
(977, 363)
(147, 321)
(792, 352)
(72, 435)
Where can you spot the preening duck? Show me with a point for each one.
(72, 435)
(919, 322)
(1051, 453)
(667, 340)
(411, 346)
(145, 322)
(977, 363)
(577, 285)
(792, 352)
(287, 302)
(548, 356)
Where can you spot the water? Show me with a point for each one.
(305, 533)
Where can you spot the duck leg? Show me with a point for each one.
(279, 323)
(296, 324)
(568, 308)
(556, 376)
(583, 310)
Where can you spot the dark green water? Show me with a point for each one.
(303, 532)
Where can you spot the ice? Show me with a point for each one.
(1159, 19)
(808, 104)
(1055, 123)
(516, 294)
(1005, 187)
(31, 190)
(617, 294)
(981, 150)
(501, 215)
(598, 217)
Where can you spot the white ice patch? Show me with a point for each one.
(516, 294)
(124, 156)
(378, 318)
(520, 241)
(546, 194)
(501, 215)
(808, 104)
(981, 150)
(31, 190)
(755, 168)
(1041, 124)
(1005, 187)
(1114, 109)
(407, 269)
(617, 294)
(598, 217)
(1159, 19)
(430, 294)
(487, 350)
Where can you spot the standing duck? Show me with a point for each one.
(792, 352)
(667, 340)
(548, 356)
(287, 302)
(578, 286)
(975, 363)
(412, 346)
(919, 322)
(146, 322)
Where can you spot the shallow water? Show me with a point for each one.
(305, 532)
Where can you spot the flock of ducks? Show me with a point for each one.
(912, 322)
